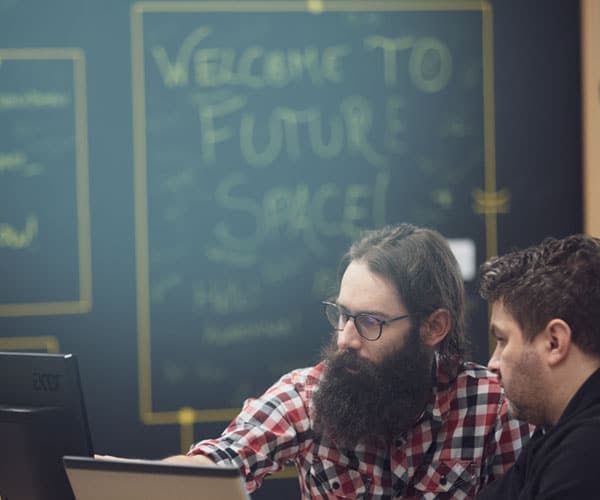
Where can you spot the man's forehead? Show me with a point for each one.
(363, 287)
(502, 319)
(499, 308)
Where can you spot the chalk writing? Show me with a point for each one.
(296, 132)
(293, 211)
(33, 99)
(221, 335)
(164, 286)
(429, 60)
(225, 297)
(429, 63)
(13, 238)
(12, 161)
(18, 163)
(253, 67)
(285, 267)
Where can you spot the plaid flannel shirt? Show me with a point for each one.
(463, 440)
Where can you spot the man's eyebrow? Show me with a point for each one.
(379, 314)
(496, 332)
(338, 303)
(371, 313)
(493, 331)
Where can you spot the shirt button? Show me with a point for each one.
(336, 485)
(443, 481)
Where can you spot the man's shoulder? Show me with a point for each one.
(474, 378)
(583, 426)
(464, 371)
(478, 372)
(302, 379)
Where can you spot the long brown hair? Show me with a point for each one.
(419, 263)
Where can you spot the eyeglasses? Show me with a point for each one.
(369, 327)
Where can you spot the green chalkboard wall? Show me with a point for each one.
(266, 137)
(178, 180)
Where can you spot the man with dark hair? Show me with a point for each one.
(393, 410)
(545, 316)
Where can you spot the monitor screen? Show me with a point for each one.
(42, 418)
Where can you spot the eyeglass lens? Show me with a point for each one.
(367, 326)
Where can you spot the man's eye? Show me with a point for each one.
(368, 320)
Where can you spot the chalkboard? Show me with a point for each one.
(267, 136)
(44, 193)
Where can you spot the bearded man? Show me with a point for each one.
(393, 410)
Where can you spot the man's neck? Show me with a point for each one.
(568, 379)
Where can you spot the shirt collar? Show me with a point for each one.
(443, 375)
(586, 396)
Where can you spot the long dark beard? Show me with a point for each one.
(377, 401)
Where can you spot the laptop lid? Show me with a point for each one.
(99, 479)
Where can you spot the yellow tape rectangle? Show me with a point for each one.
(83, 303)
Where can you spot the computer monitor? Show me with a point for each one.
(42, 418)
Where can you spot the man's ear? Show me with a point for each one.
(557, 341)
(436, 327)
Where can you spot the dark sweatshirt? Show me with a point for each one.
(561, 462)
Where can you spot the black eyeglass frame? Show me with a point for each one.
(346, 315)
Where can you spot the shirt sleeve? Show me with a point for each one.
(504, 444)
(268, 432)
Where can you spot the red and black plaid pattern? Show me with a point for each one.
(463, 440)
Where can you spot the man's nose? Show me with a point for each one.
(348, 337)
(494, 362)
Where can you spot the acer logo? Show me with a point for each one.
(46, 382)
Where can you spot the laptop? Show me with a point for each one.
(99, 479)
